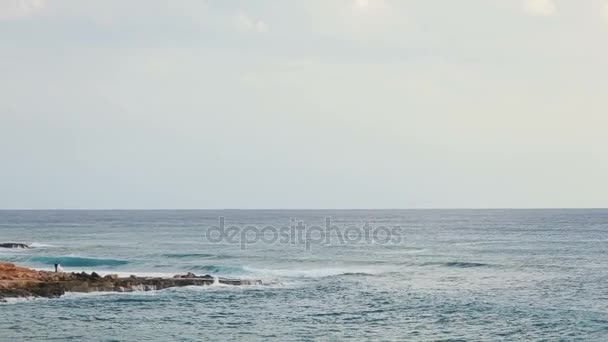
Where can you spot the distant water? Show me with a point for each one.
(457, 275)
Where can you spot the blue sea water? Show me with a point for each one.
(454, 275)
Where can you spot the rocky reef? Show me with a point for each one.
(13, 245)
(24, 282)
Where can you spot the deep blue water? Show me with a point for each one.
(448, 275)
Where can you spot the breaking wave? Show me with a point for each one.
(188, 255)
(315, 273)
(40, 245)
(72, 261)
(216, 269)
(460, 264)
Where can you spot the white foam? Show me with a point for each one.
(22, 300)
(224, 287)
(41, 245)
(126, 274)
(103, 273)
(76, 295)
(9, 251)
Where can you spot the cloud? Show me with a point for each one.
(245, 23)
(15, 9)
(545, 8)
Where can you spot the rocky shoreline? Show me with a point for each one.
(19, 282)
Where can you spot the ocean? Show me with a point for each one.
(392, 275)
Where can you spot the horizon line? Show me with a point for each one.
(300, 209)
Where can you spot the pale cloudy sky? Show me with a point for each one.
(303, 104)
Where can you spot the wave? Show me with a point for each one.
(465, 264)
(218, 269)
(356, 274)
(40, 245)
(72, 261)
(200, 256)
(13, 258)
(314, 273)
(461, 264)
(188, 255)
(19, 300)
(237, 270)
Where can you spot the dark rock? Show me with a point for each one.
(30, 283)
(186, 276)
(13, 245)
(49, 290)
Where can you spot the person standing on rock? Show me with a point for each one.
(58, 268)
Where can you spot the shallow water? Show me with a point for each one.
(454, 275)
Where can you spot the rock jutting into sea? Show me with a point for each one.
(17, 282)
(13, 245)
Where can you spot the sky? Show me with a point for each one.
(150, 104)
